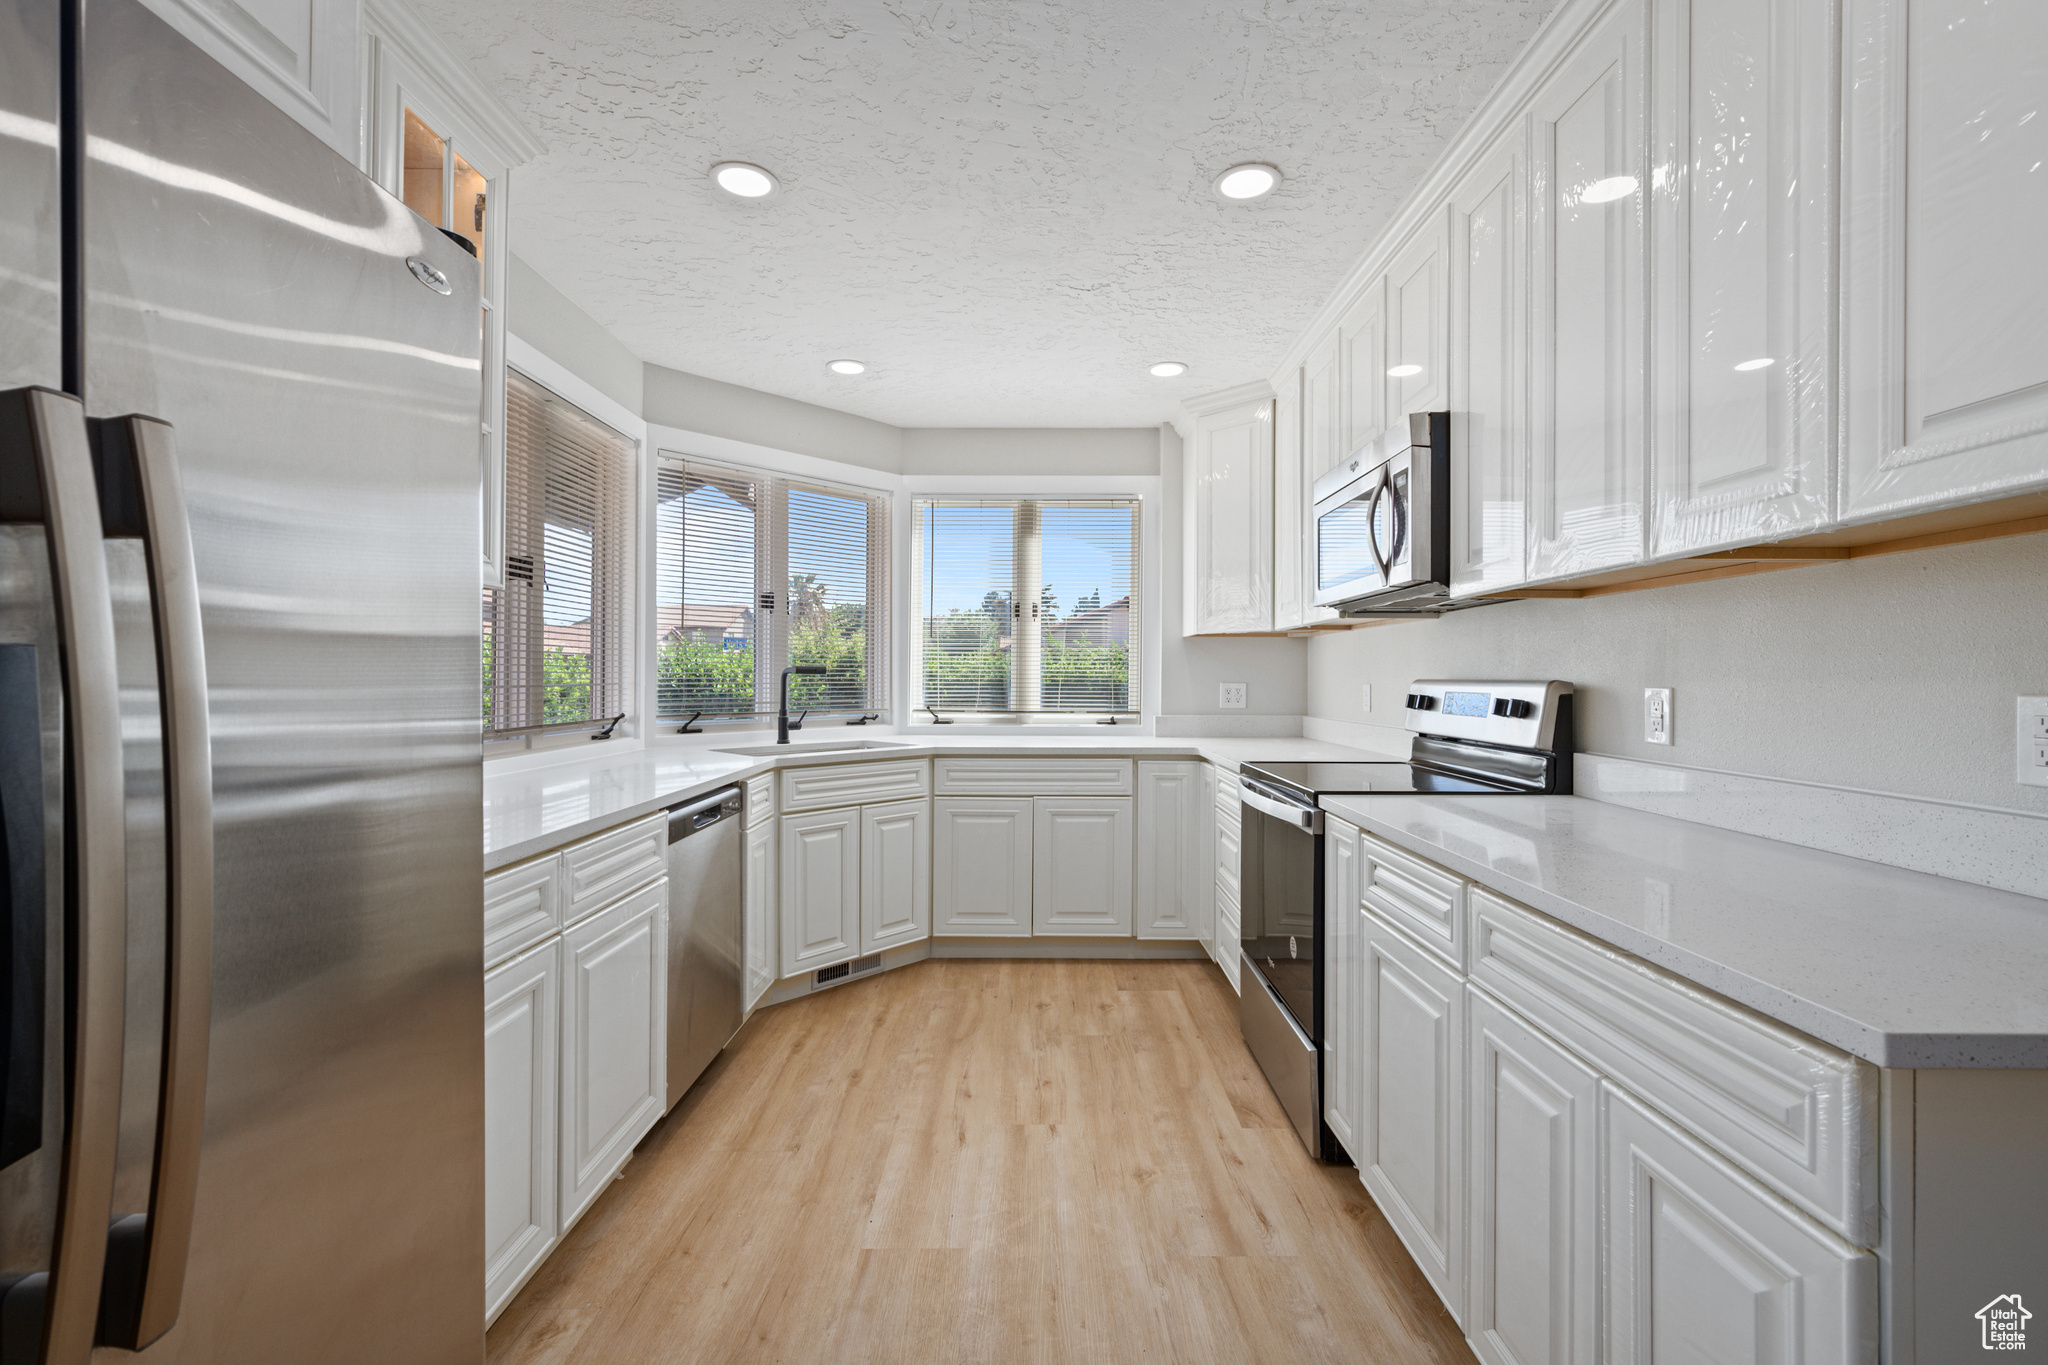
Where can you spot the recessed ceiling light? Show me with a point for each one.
(1169, 369)
(1403, 371)
(1605, 191)
(1760, 363)
(846, 367)
(743, 180)
(1252, 180)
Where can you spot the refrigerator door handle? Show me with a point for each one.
(142, 491)
(50, 429)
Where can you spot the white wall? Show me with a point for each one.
(541, 315)
(715, 408)
(1063, 451)
(1274, 670)
(1895, 673)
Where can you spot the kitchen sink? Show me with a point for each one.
(841, 746)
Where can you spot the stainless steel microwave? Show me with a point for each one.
(1383, 525)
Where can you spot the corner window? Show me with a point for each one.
(755, 572)
(556, 647)
(1027, 607)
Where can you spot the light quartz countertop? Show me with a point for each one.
(1902, 969)
(530, 810)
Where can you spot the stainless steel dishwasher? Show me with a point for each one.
(706, 951)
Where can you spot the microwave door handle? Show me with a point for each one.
(1381, 491)
(48, 433)
(147, 1256)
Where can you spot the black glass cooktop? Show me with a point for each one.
(1338, 779)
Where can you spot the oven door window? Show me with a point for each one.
(1278, 915)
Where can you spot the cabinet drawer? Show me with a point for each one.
(1228, 937)
(1227, 851)
(853, 784)
(1793, 1111)
(760, 798)
(1032, 776)
(1229, 797)
(522, 906)
(1423, 899)
(598, 871)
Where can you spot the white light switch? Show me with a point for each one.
(1230, 696)
(2032, 742)
(1657, 715)
(1367, 703)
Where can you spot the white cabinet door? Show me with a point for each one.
(981, 866)
(1362, 365)
(895, 874)
(820, 889)
(1489, 389)
(1291, 590)
(1411, 1140)
(299, 54)
(1081, 865)
(1704, 1266)
(1418, 309)
(1588, 312)
(764, 962)
(1343, 961)
(1742, 228)
(1945, 323)
(1227, 515)
(522, 1004)
(1170, 865)
(614, 1040)
(1533, 1195)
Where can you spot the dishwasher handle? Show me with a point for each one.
(704, 812)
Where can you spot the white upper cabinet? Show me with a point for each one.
(1945, 320)
(1291, 583)
(299, 54)
(1742, 230)
(1362, 367)
(1489, 389)
(1322, 445)
(1418, 307)
(1589, 310)
(1227, 514)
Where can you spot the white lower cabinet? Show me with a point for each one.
(614, 1040)
(758, 878)
(820, 889)
(981, 866)
(895, 874)
(1410, 1148)
(1343, 962)
(1170, 870)
(1705, 1266)
(1081, 865)
(1533, 1187)
(522, 1003)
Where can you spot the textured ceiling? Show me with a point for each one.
(1004, 208)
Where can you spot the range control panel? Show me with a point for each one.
(1523, 714)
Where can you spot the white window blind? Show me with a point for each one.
(1028, 606)
(755, 572)
(556, 649)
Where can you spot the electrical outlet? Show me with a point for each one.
(2032, 742)
(1367, 703)
(1657, 715)
(1230, 696)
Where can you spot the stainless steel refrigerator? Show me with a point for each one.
(240, 769)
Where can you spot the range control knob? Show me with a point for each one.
(1521, 710)
(1501, 705)
(1421, 701)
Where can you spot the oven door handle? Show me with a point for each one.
(1297, 816)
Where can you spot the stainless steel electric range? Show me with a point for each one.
(1471, 739)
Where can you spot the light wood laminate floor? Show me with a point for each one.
(983, 1161)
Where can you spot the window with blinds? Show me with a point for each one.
(556, 650)
(755, 572)
(1027, 606)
